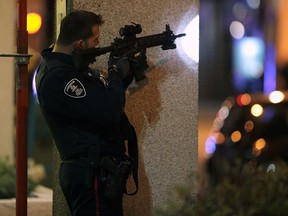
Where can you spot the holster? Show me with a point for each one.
(114, 174)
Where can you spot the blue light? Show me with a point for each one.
(210, 145)
(248, 61)
(34, 86)
(270, 69)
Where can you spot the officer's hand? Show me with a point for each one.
(139, 62)
(138, 65)
(119, 64)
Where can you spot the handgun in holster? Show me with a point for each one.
(116, 175)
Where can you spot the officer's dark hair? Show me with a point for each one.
(78, 25)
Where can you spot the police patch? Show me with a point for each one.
(75, 89)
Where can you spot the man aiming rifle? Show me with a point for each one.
(129, 46)
(85, 113)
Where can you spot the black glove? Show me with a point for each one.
(119, 64)
(138, 65)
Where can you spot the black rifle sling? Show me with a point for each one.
(133, 153)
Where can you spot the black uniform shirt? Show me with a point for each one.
(80, 111)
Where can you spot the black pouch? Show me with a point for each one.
(116, 173)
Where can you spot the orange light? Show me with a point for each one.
(243, 99)
(34, 22)
(236, 136)
(260, 144)
(249, 126)
(220, 138)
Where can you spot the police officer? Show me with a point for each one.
(84, 113)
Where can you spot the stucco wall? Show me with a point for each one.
(164, 111)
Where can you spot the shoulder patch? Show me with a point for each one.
(75, 89)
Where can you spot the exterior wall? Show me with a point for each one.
(164, 111)
(7, 75)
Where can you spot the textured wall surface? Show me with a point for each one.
(164, 111)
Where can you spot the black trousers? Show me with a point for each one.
(84, 197)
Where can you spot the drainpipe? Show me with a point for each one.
(22, 111)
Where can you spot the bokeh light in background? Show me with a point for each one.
(254, 4)
(257, 110)
(210, 145)
(34, 22)
(249, 126)
(34, 90)
(260, 144)
(276, 97)
(239, 11)
(190, 43)
(251, 54)
(248, 62)
(223, 112)
(225, 23)
(243, 99)
(236, 136)
(254, 61)
(237, 30)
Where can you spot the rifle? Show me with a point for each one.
(128, 45)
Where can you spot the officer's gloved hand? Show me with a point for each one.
(138, 65)
(119, 65)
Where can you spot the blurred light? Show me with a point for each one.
(270, 75)
(220, 138)
(276, 97)
(243, 99)
(252, 50)
(256, 152)
(223, 112)
(34, 85)
(229, 102)
(237, 30)
(250, 46)
(249, 126)
(239, 11)
(271, 167)
(210, 145)
(254, 4)
(34, 22)
(248, 62)
(218, 123)
(236, 136)
(260, 144)
(190, 43)
(256, 110)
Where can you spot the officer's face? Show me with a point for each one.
(91, 42)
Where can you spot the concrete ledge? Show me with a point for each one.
(39, 204)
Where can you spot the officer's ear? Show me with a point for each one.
(80, 44)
